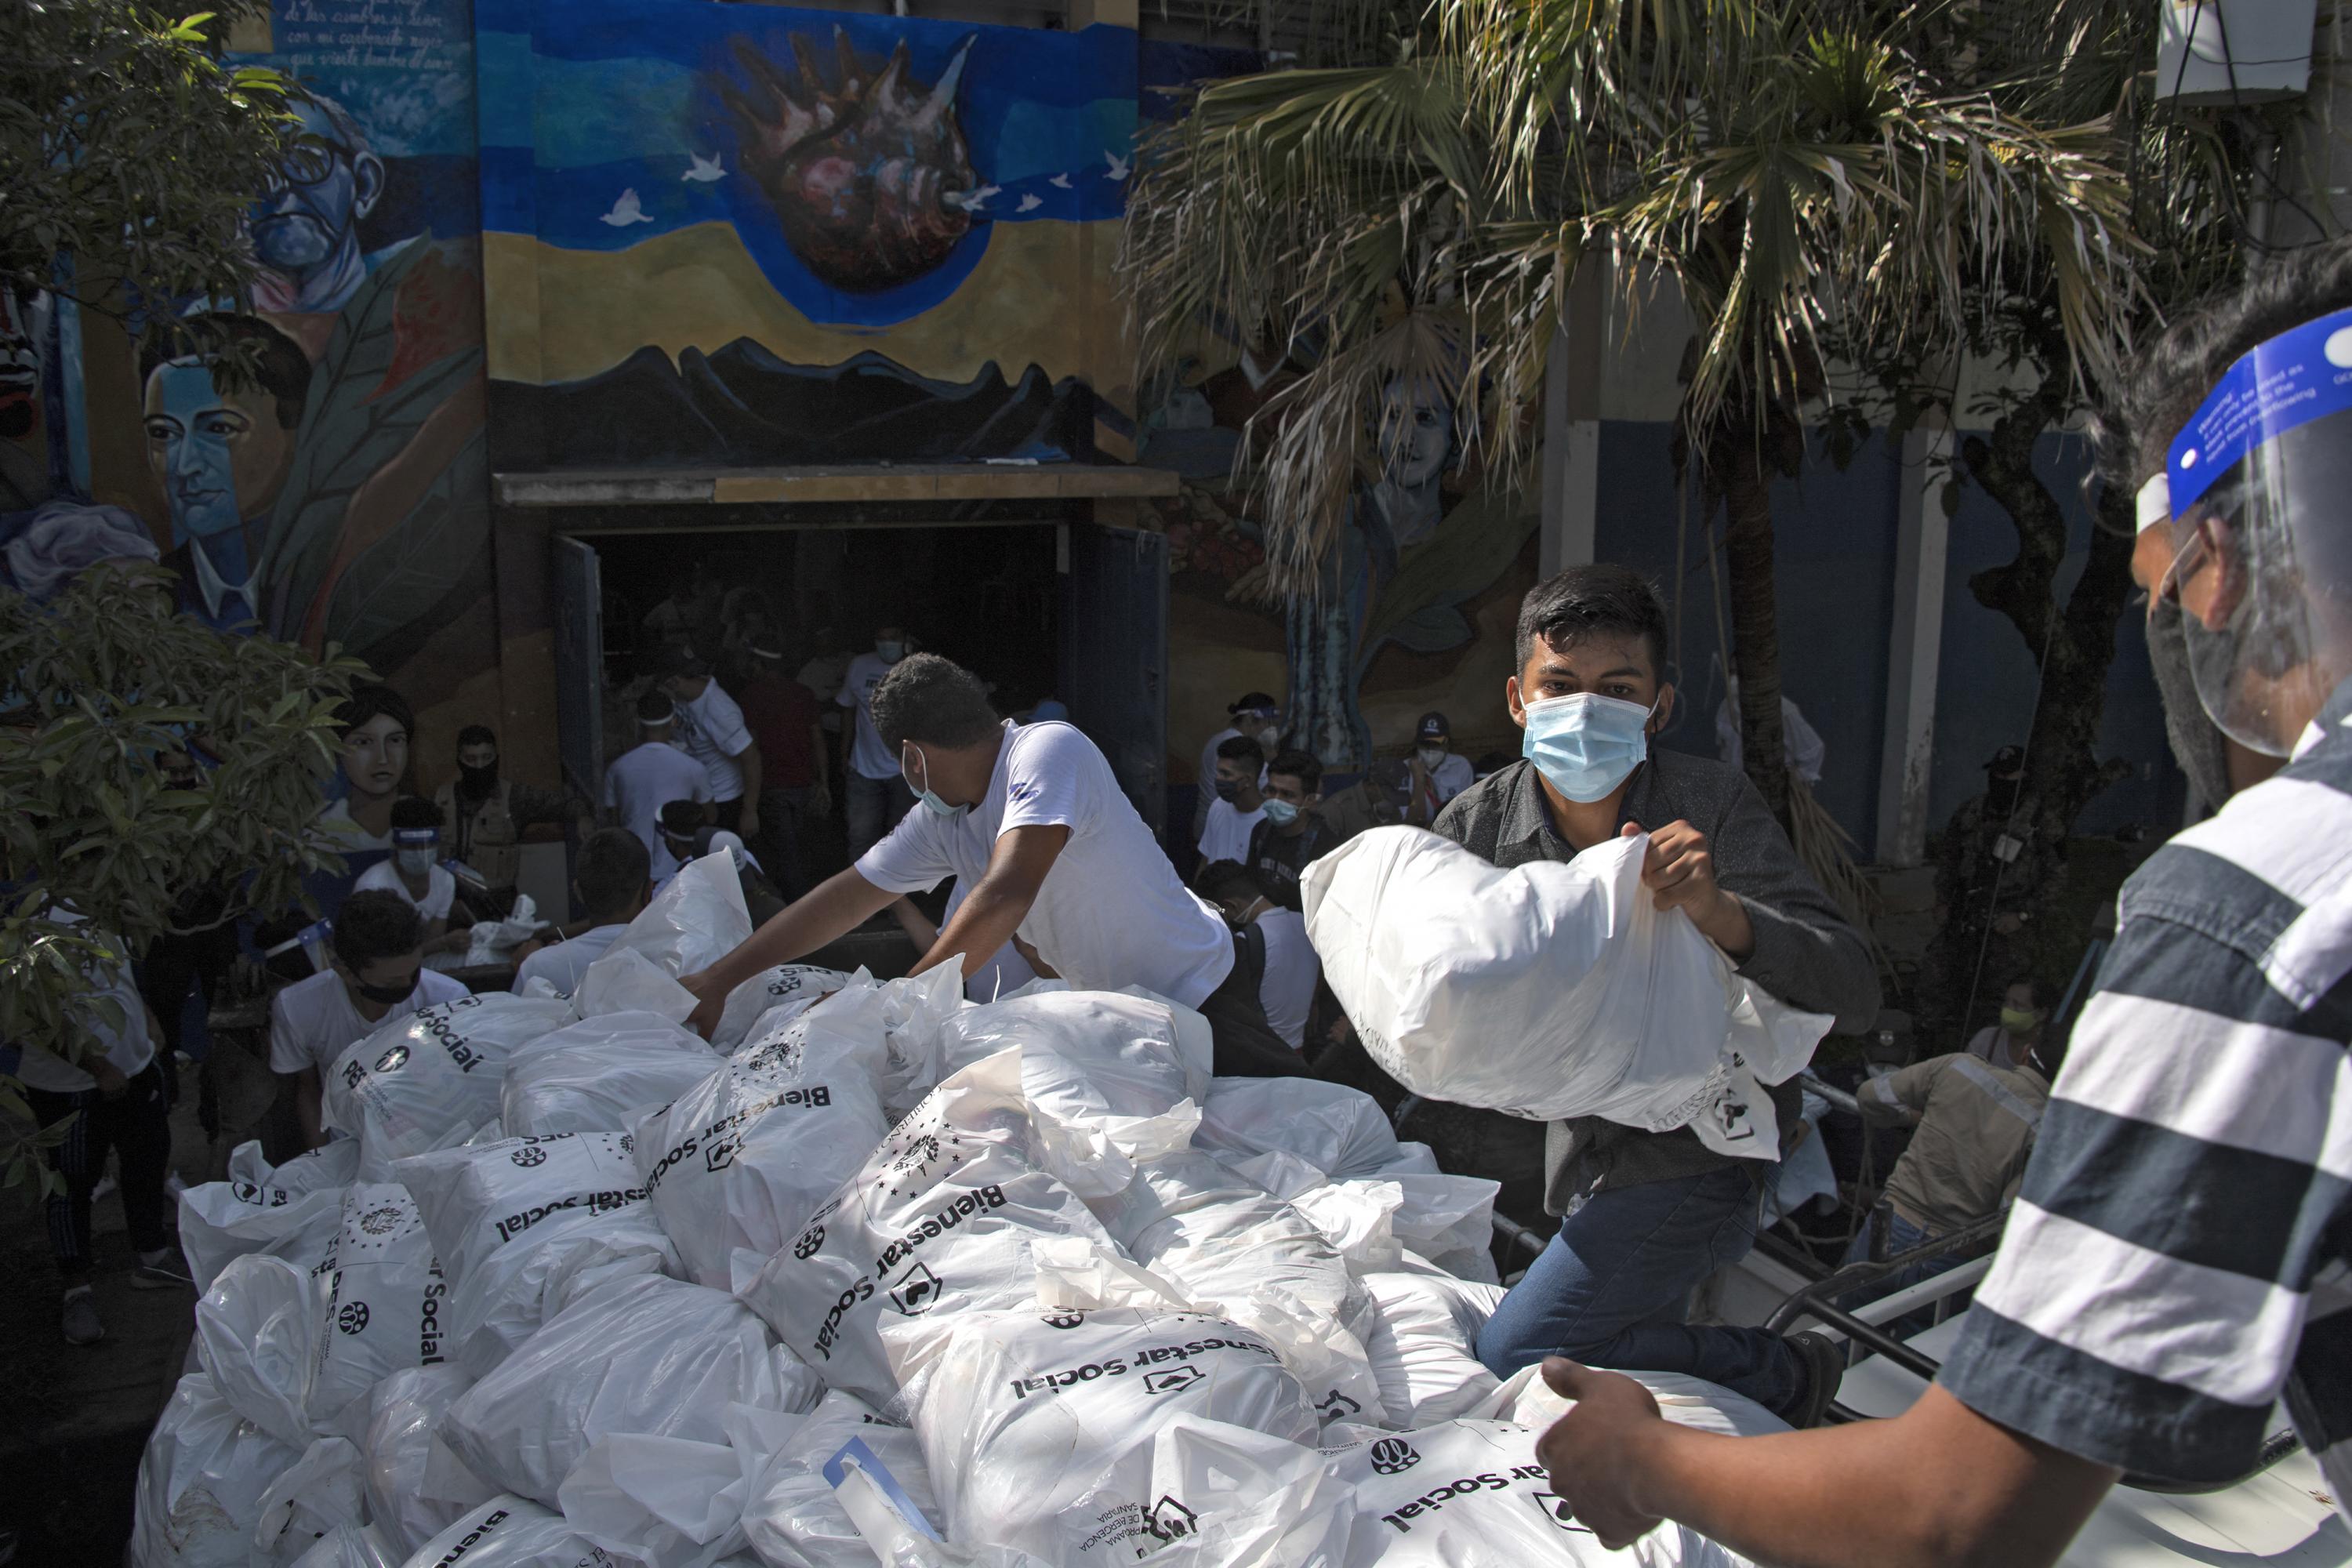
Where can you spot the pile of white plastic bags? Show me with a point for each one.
(877, 1277)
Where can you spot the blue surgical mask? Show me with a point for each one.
(1281, 813)
(890, 652)
(931, 802)
(1586, 745)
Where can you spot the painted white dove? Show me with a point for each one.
(1028, 204)
(970, 200)
(1060, 182)
(627, 211)
(1118, 166)
(705, 170)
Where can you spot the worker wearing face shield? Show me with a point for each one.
(2165, 1277)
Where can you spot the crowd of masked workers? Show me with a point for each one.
(2177, 1224)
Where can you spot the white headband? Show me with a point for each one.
(2155, 502)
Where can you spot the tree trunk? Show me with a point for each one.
(2073, 645)
(1747, 450)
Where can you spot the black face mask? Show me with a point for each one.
(477, 781)
(386, 995)
(1228, 790)
(2000, 796)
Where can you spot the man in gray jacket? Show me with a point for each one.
(1647, 1215)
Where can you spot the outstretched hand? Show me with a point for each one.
(1593, 1451)
(709, 1001)
(1679, 871)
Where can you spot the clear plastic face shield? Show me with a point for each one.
(2259, 511)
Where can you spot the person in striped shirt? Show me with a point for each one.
(2180, 1252)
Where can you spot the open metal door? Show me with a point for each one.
(1114, 653)
(579, 667)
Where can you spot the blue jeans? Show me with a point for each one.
(874, 805)
(1902, 1235)
(1609, 1290)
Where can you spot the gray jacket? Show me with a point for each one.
(1805, 953)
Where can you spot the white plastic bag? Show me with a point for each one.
(599, 1075)
(939, 1219)
(508, 1533)
(320, 1494)
(1246, 1255)
(791, 1516)
(490, 941)
(1341, 1131)
(515, 1220)
(201, 1482)
(644, 1354)
(741, 1158)
(395, 1447)
(772, 999)
(257, 1336)
(380, 1296)
(697, 919)
(1548, 990)
(1022, 1414)
(1526, 1398)
(352, 1546)
(1111, 1079)
(288, 1211)
(419, 1081)
(662, 1502)
(1213, 1495)
(1423, 1347)
(629, 981)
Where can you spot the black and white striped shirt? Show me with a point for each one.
(2178, 1259)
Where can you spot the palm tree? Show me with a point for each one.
(1807, 175)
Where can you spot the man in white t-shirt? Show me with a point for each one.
(1286, 961)
(1240, 804)
(1254, 713)
(640, 782)
(873, 793)
(1439, 772)
(378, 975)
(1034, 822)
(1006, 971)
(415, 873)
(118, 1104)
(711, 730)
(614, 878)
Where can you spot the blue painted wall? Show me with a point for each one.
(1986, 683)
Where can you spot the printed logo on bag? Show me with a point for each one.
(1558, 1509)
(1064, 1320)
(629, 1141)
(1393, 1456)
(392, 1059)
(811, 1239)
(721, 1154)
(353, 1318)
(381, 1221)
(917, 1291)
(246, 1193)
(1173, 1381)
(527, 1158)
(1169, 1520)
(1733, 1112)
(497, 1518)
(1485, 1482)
(1336, 1405)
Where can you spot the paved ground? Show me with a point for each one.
(78, 1417)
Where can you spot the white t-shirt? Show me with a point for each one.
(1000, 975)
(562, 965)
(711, 730)
(1111, 913)
(640, 782)
(312, 1021)
(1227, 835)
(1287, 989)
(1452, 776)
(867, 754)
(1204, 779)
(440, 888)
(129, 1048)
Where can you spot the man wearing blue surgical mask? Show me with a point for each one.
(1647, 1215)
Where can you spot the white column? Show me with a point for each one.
(1914, 648)
(1572, 452)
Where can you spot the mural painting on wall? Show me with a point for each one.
(1427, 552)
(342, 496)
(726, 235)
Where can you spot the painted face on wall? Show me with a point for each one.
(222, 457)
(310, 213)
(375, 755)
(1416, 428)
(20, 369)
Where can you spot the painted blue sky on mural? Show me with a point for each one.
(606, 123)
